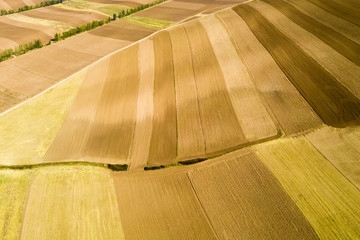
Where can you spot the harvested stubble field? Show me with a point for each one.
(71, 17)
(16, 4)
(14, 33)
(253, 84)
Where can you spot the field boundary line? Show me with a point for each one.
(202, 207)
(26, 205)
(319, 151)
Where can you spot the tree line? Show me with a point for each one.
(19, 50)
(26, 7)
(95, 24)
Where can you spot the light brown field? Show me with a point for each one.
(73, 134)
(185, 5)
(92, 44)
(164, 136)
(254, 119)
(75, 202)
(73, 18)
(166, 13)
(16, 4)
(111, 132)
(245, 201)
(190, 140)
(123, 30)
(341, 148)
(4, 5)
(290, 109)
(220, 125)
(148, 203)
(43, 63)
(121, 2)
(327, 199)
(10, 29)
(145, 108)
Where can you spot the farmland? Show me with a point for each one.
(193, 119)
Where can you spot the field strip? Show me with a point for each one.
(252, 115)
(342, 148)
(160, 207)
(163, 147)
(59, 26)
(327, 199)
(191, 142)
(242, 188)
(28, 131)
(72, 137)
(338, 42)
(105, 9)
(334, 103)
(220, 125)
(340, 25)
(349, 3)
(75, 202)
(148, 22)
(349, 14)
(291, 111)
(112, 129)
(347, 72)
(145, 110)
(14, 188)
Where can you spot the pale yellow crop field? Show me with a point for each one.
(328, 200)
(28, 131)
(59, 26)
(14, 189)
(73, 202)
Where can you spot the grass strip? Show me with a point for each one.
(334, 103)
(148, 22)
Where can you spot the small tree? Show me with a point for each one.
(114, 16)
(57, 37)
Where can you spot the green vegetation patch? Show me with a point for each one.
(14, 188)
(27, 131)
(148, 22)
(107, 9)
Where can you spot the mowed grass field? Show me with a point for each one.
(249, 91)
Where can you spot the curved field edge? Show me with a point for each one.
(324, 196)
